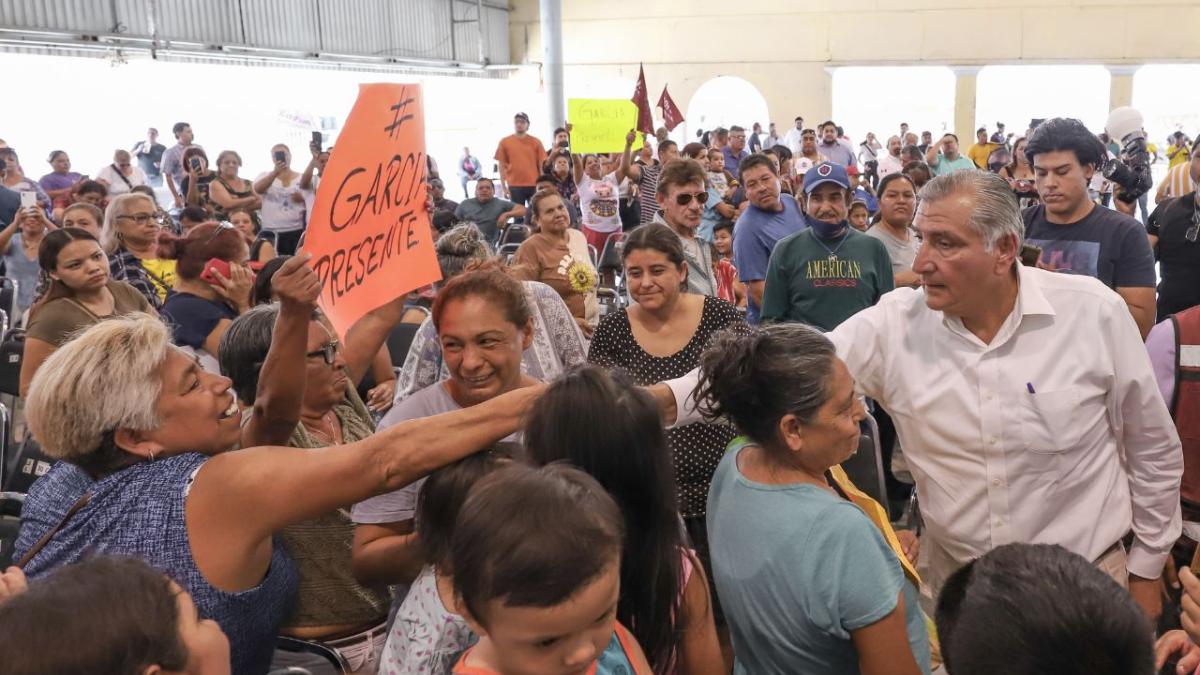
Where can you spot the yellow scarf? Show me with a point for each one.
(878, 515)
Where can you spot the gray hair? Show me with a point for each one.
(244, 348)
(460, 246)
(995, 213)
(758, 378)
(109, 239)
(106, 378)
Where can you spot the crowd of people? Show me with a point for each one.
(617, 437)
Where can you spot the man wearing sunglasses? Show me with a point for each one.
(828, 272)
(681, 196)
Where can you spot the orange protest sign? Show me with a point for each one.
(369, 233)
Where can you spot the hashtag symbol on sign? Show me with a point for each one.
(399, 117)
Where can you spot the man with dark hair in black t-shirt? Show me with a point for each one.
(1077, 236)
(149, 154)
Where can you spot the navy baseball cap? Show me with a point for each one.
(825, 172)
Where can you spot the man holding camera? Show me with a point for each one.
(1075, 235)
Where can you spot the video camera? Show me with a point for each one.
(1130, 171)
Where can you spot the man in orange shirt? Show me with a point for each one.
(520, 156)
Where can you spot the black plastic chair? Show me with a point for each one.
(8, 296)
(507, 252)
(27, 465)
(865, 467)
(610, 300)
(12, 350)
(610, 268)
(298, 646)
(399, 340)
(513, 234)
(10, 525)
(5, 435)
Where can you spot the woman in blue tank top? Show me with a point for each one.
(144, 435)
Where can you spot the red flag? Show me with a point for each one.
(671, 115)
(645, 120)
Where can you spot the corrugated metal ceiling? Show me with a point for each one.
(398, 29)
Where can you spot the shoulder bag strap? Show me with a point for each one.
(122, 176)
(41, 543)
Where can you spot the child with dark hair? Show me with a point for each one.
(106, 615)
(859, 215)
(536, 558)
(729, 287)
(1030, 609)
(600, 422)
(428, 634)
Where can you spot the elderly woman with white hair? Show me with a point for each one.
(132, 225)
(558, 344)
(144, 434)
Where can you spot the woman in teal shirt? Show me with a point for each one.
(809, 582)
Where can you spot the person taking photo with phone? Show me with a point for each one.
(199, 179)
(212, 289)
(19, 243)
(283, 201)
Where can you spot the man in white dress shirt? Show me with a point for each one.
(889, 162)
(1024, 400)
(792, 138)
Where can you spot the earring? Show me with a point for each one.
(151, 455)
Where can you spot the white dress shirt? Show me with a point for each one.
(116, 186)
(792, 140)
(1053, 433)
(889, 164)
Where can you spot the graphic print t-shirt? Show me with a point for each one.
(1104, 244)
(599, 203)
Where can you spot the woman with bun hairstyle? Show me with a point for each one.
(212, 287)
(824, 590)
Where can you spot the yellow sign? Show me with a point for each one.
(600, 124)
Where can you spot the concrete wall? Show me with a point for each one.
(787, 47)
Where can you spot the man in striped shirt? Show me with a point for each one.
(1177, 183)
